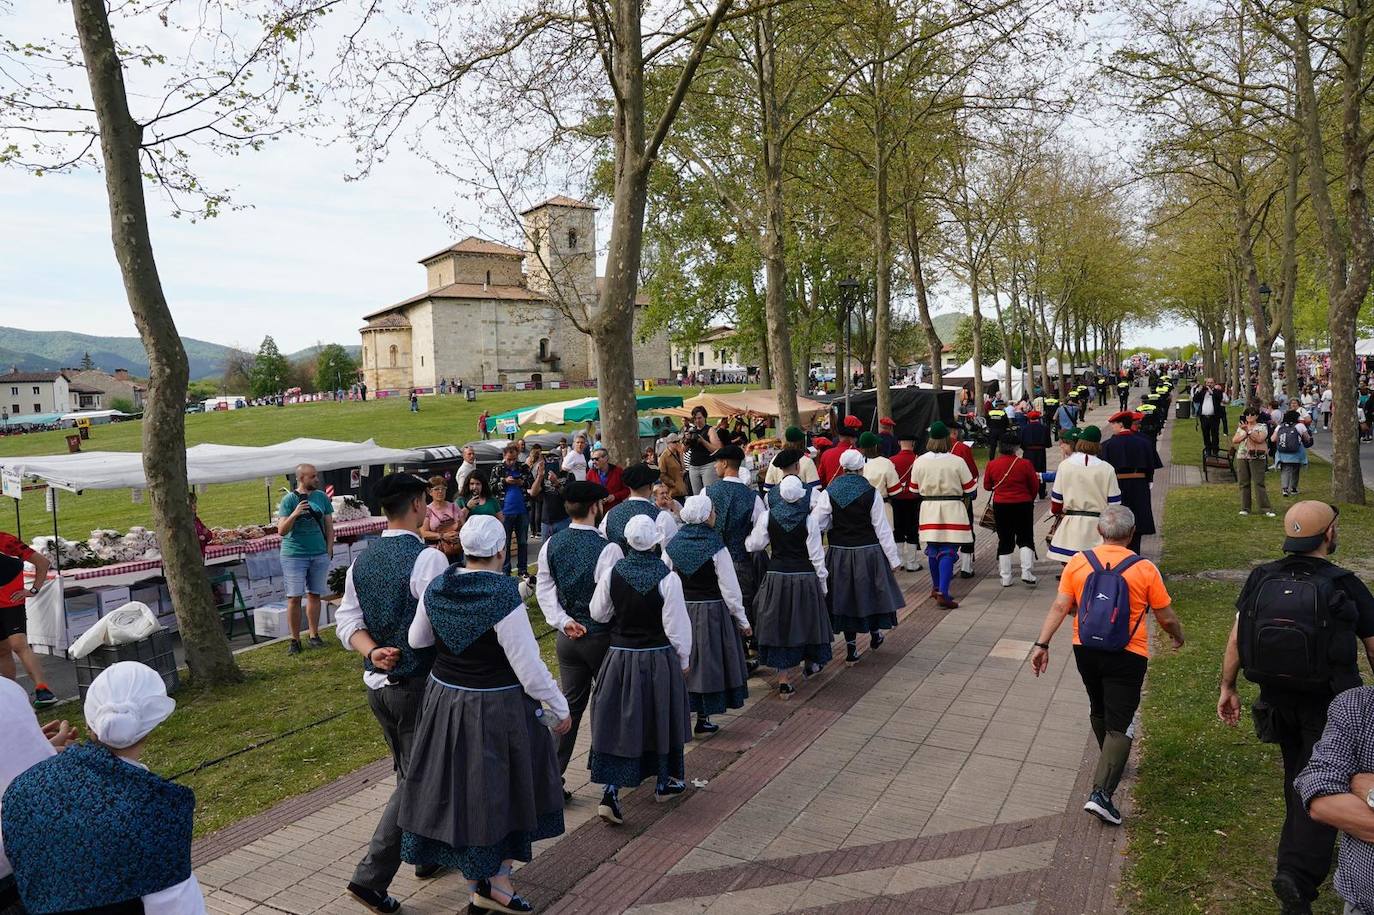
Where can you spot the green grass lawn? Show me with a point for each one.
(1208, 801)
(441, 421)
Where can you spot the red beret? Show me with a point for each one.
(853, 422)
(1137, 416)
(886, 421)
(1125, 416)
(1032, 414)
(821, 441)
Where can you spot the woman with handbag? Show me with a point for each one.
(1014, 484)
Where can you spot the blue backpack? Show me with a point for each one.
(1104, 609)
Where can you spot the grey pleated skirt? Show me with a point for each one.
(640, 717)
(793, 624)
(863, 594)
(483, 782)
(719, 677)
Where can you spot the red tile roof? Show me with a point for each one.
(474, 245)
(474, 291)
(25, 377)
(560, 200)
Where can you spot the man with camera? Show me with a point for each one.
(306, 526)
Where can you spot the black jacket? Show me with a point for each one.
(1218, 404)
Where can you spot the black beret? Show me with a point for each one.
(399, 484)
(787, 457)
(584, 491)
(728, 453)
(640, 475)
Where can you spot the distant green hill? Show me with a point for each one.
(46, 350)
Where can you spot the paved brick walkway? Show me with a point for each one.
(937, 775)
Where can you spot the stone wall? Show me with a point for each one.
(378, 372)
(422, 368)
(462, 267)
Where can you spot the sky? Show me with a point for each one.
(303, 258)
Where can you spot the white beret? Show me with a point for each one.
(696, 509)
(482, 536)
(641, 533)
(852, 459)
(791, 488)
(125, 703)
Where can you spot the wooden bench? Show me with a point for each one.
(1219, 464)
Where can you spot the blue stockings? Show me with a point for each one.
(942, 557)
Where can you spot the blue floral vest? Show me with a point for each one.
(381, 577)
(572, 555)
(734, 504)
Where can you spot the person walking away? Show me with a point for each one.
(737, 508)
(999, 423)
(961, 450)
(571, 562)
(1252, 459)
(1035, 439)
(887, 436)
(14, 596)
(640, 716)
(1084, 485)
(604, 473)
(381, 592)
(639, 479)
(1135, 461)
(1065, 418)
(1014, 485)
(879, 471)
(1109, 591)
(829, 465)
(1304, 594)
(92, 829)
(718, 675)
(862, 592)
(1123, 393)
(672, 467)
(483, 782)
(943, 481)
(510, 482)
(793, 619)
(906, 505)
(306, 526)
(1326, 408)
(1291, 441)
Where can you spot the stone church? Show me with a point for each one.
(495, 315)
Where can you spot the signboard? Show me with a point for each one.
(508, 427)
(12, 484)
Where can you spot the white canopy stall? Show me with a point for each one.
(990, 373)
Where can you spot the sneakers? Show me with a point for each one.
(851, 653)
(875, 641)
(1100, 806)
(374, 901)
(316, 642)
(294, 647)
(1290, 895)
(705, 726)
(43, 697)
(609, 809)
(1270, 515)
(673, 789)
(786, 690)
(1242, 512)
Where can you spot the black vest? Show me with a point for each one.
(638, 620)
(788, 548)
(482, 665)
(701, 585)
(853, 524)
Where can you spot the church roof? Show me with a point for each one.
(387, 319)
(560, 200)
(473, 291)
(474, 245)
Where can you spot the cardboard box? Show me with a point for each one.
(269, 621)
(108, 599)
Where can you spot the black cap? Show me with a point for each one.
(584, 491)
(787, 457)
(394, 485)
(728, 453)
(637, 476)
(1010, 437)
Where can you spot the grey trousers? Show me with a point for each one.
(701, 477)
(579, 662)
(397, 709)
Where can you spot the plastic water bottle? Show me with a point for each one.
(546, 717)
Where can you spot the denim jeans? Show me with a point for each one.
(519, 525)
(305, 574)
(551, 528)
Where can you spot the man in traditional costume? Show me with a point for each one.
(1084, 484)
(1135, 460)
(736, 508)
(960, 449)
(906, 505)
(944, 482)
(640, 478)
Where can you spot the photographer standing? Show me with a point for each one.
(702, 441)
(306, 525)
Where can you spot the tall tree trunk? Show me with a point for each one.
(774, 253)
(1002, 327)
(164, 434)
(918, 279)
(882, 245)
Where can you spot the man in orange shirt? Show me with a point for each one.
(1112, 678)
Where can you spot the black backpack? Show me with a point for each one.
(1296, 627)
(1290, 439)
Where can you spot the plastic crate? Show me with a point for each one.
(155, 651)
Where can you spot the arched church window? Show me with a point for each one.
(544, 348)
(572, 239)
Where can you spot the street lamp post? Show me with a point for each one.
(848, 290)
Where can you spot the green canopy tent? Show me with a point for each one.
(586, 409)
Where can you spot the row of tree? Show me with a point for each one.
(326, 368)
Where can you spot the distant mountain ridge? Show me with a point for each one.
(49, 350)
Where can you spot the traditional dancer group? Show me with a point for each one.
(655, 617)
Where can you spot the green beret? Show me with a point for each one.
(793, 434)
(868, 440)
(1069, 435)
(1090, 434)
(939, 430)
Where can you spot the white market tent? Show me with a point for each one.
(1364, 347)
(965, 373)
(204, 463)
(1019, 382)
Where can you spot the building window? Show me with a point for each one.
(488, 282)
(422, 361)
(393, 353)
(572, 239)
(14, 391)
(14, 409)
(38, 408)
(701, 358)
(543, 348)
(35, 390)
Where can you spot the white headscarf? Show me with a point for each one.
(852, 459)
(125, 703)
(641, 533)
(482, 536)
(791, 488)
(25, 745)
(696, 509)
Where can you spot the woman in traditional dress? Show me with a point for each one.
(640, 717)
(718, 677)
(793, 621)
(863, 594)
(483, 782)
(1084, 484)
(943, 480)
(91, 829)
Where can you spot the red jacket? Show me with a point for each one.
(1022, 483)
(617, 488)
(19, 553)
(903, 460)
(828, 467)
(962, 449)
